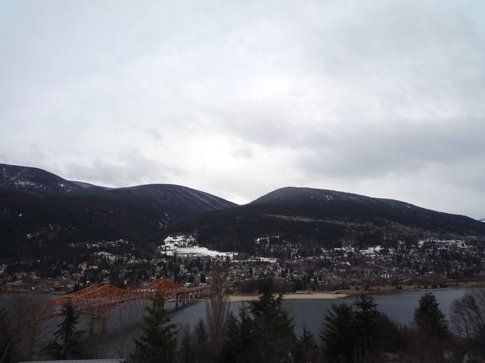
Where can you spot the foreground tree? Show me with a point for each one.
(68, 342)
(238, 345)
(186, 347)
(262, 333)
(7, 339)
(273, 335)
(366, 329)
(307, 349)
(351, 333)
(217, 308)
(338, 334)
(429, 318)
(429, 337)
(159, 337)
(204, 351)
(468, 319)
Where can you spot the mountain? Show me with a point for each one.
(322, 218)
(40, 212)
(482, 220)
(20, 178)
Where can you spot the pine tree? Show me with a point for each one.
(232, 342)
(202, 346)
(366, 328)
(186, 348)
(306, 347)
(273, 335)
(159, 338)
(338, 334)
(68, 342)
(239, 344)
(429, 318)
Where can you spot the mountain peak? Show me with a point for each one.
(33, 179)
(42, 212)
(298, 195)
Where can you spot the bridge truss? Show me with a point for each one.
(99, 300)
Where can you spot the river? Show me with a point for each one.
(124, 324)
(310, 313)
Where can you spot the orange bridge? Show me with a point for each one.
(99, 300)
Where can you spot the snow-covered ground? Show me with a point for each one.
(371, 251)
(184, 245)
(452, 242)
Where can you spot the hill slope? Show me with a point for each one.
(41, 212)
(323, 218)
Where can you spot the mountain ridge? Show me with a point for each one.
(324, 218)
(41, 212)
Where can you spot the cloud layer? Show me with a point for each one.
(383, 98)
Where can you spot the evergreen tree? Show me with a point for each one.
(273, 335)
(7, 341)
(263, 332)
(338, 334)
(202, 345)
(429, 318)
(159, 338)
(186, 349)
(68, 342)
(366, 329)
(239, 343)
(232, 342)
(307, 350)
(391, 336)
(248, 350)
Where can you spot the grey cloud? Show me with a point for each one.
(237, 98)
(154, 134)
(243, 151)
(131, 169)
(361, 150)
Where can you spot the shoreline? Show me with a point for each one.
(375, 290)
(390, 289)
(319, 295)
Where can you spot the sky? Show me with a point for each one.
(237, 98)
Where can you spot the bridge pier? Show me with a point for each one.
(188, 297)
(180, 298)
(98, 324)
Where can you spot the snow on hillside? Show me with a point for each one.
(443, 243)
(185, 245)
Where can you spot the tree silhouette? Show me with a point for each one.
(159, 338)
(186, 347)
(307, 350)
(273, 335)
(366, 328)
(68, 342)
(338, 334)
(429, 318)
(263, 332)
(202, 344)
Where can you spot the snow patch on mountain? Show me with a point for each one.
(454, 242)
(186, 245)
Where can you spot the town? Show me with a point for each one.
(293, 266)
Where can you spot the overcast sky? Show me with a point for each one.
(237, 98)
